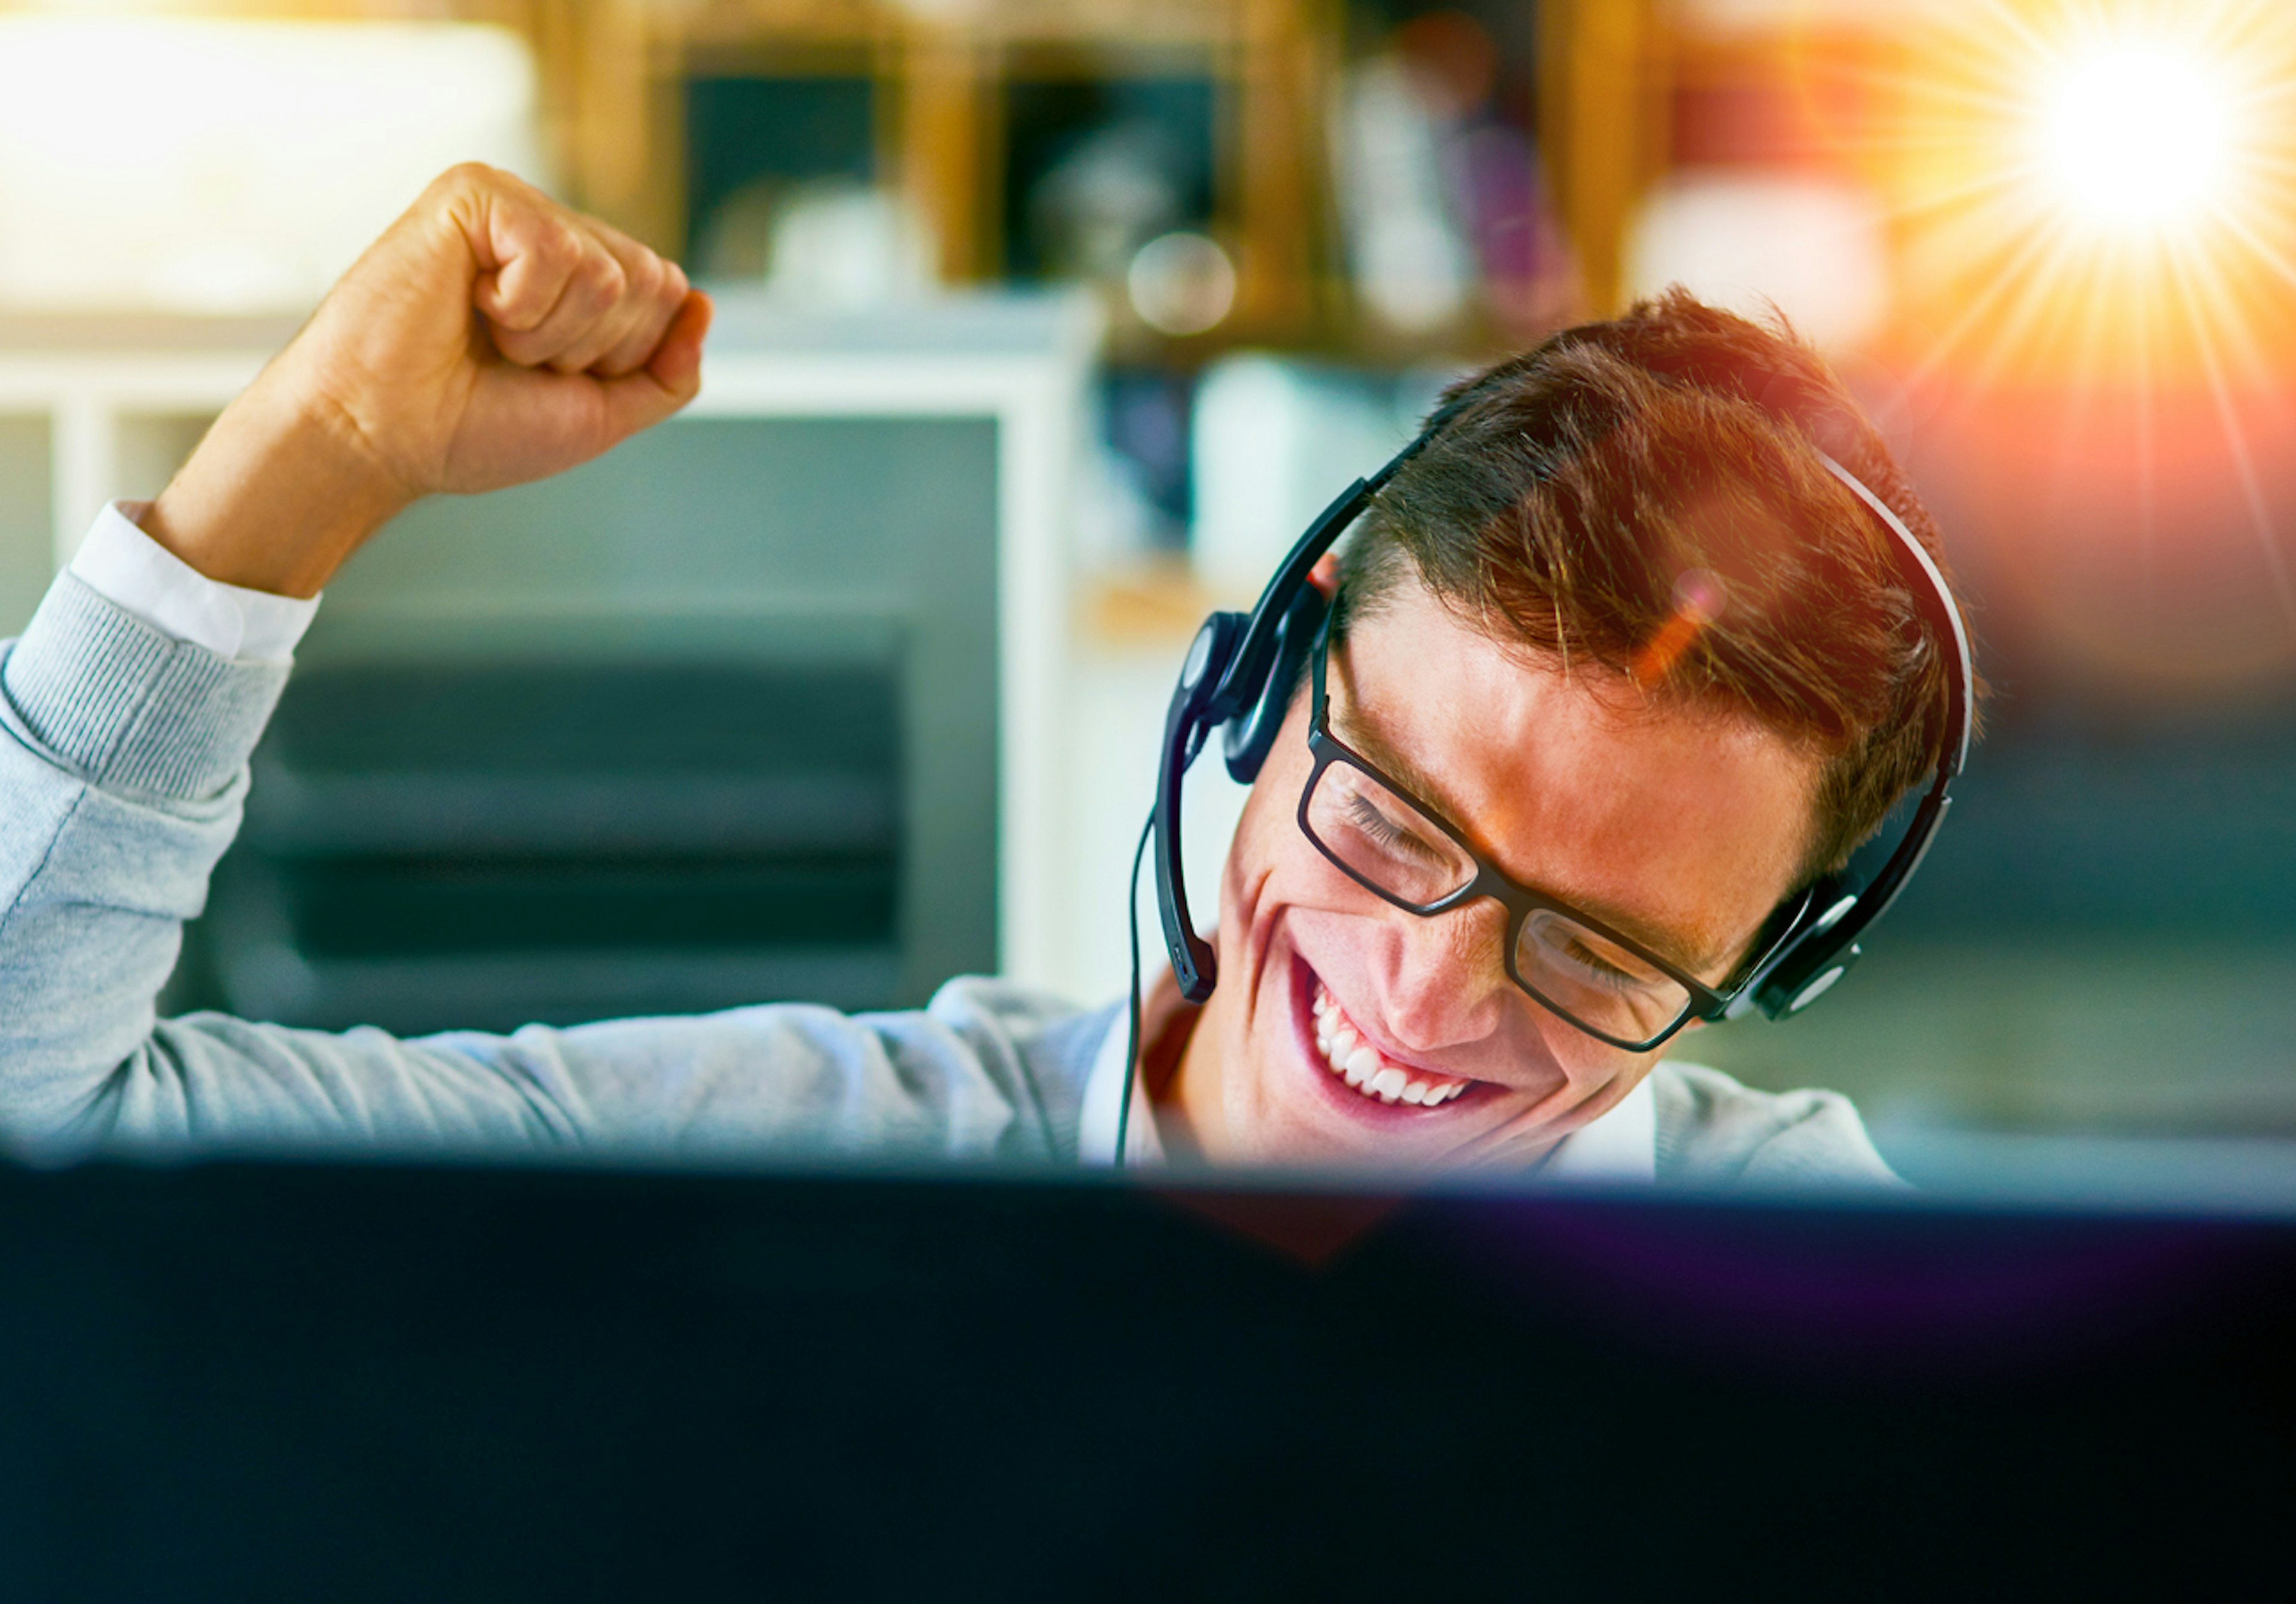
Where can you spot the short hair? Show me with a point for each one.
(1643, 495)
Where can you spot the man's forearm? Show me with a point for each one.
(489, 337)
(276, 497)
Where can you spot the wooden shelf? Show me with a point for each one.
(939, 138)
(613, 77)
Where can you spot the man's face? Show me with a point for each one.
(1682, 825)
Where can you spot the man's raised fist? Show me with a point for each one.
(490, 336)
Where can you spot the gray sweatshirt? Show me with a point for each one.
(123, 768)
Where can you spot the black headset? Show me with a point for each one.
(1241, 673)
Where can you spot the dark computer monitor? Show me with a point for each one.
(277, 1379)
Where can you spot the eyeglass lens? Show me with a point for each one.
(1390, 844)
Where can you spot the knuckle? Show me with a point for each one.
(604, 277)
(512, 316)
(466, 178)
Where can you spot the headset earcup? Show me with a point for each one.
(1250, 735)
(1796, 987)
(1812, 960)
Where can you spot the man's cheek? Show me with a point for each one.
(1247, 872)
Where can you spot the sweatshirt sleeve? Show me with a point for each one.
(123, 767)
(123, 764)
(1714, 1132)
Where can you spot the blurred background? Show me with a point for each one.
(1049, 325)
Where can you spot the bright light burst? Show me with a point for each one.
(2095, 202)
(2094, 186)
(2138, 134)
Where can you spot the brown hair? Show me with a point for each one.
(1641, 495)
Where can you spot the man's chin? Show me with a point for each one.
(1302, 1107)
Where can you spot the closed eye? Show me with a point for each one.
(1366, 815)
(1599, 969)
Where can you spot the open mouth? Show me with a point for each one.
(1356, 1064)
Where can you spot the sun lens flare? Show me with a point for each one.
(2094, 207)
(2085, 188)
(2137, 134)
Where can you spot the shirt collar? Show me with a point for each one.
(1622, 1145)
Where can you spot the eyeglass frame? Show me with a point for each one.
(1520, 901)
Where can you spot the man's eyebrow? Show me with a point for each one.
(1668, 944)
(1394, 764)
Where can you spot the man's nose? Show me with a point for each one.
(1448, 980)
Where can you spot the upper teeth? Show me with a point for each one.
(1358, 1063)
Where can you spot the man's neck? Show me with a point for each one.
(1170, 1041)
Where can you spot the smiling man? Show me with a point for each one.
(1613, 667)
(1614, 653)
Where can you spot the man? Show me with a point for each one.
(1615, 628)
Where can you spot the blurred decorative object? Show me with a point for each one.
(1453, 59)
(1103, 201)
(753, 140)
(848, 247)
(736, 240)
(1444, 208)
(1410, 259)
(1181, 283)
(1273, 441)
(164, 163)
(1098, 176)
(1531, 283)
(1812, 247)
(1144, 424)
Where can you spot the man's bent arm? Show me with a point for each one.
(490, 336)
(122, 767)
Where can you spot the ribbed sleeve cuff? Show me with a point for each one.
(128, 705)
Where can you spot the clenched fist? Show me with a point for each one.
(488, 338)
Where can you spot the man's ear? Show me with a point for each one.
(1325, 574)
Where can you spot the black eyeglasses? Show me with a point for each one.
(1389, 842)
